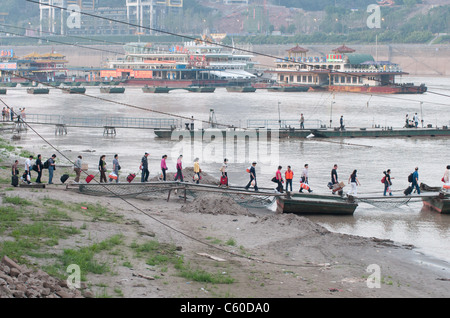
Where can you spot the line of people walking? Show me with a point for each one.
(280, 177)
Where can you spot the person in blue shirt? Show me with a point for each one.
(415, 181)
(51, 168)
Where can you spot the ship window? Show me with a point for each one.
(354, 79)
(309, 79)
(349, 79)
(342, 79)
(299, 79)
(304, 78)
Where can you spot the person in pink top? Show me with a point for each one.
(279, 178)
(179, 169)
(164, 167)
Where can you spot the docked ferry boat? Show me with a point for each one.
(196, 63)
(343, 70)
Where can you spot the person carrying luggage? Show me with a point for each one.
(224, 176)
(387, 182)
(252, 172)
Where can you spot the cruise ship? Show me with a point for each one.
(196, 63)
(342, 70)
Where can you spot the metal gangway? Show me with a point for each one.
(108, 123)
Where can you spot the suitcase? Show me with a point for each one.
(113, 176)
(223, 180)
(89, 178)
(338, 186)
(15, 181)
(131, 177)
(64, 178)
(304, 186)
(408, 190)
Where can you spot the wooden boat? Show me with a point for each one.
(112, 90)
(156, 89)
(313, 204)
(241, 89)
(38, 90)
(2, 91)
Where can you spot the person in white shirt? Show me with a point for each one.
(27, 173)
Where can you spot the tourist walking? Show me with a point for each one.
(179, 168)
(77, 168)
(102, 168)
(12, 114)
(446, 178)
(197, 170)
(4, 114)
(39, 167)
(27, 172)
(51, 168)
(224, 176)
(163, 167)
(144, 167)
(387, 182)
(304, 178)
(15, 168)
(279, 179)
(289, 175)
(302, 122)
(252, 181)
(341, 122)
(353, 180)
(334, 175)
(115, 168)
(416, 120)
(415, 180)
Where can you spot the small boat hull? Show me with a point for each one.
(201, 89)
(241, 89)
(112, 90)
(440, 204)
(156, 89)
(288, 89)
(38, 91)
(311, 204)
(74, 90)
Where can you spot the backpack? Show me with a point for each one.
(46, 164)
(410, 178)
(248, 169)
(383, 180)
